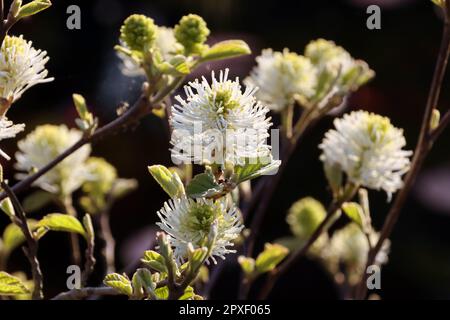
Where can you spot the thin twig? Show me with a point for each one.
(275, 274)
(424, 144)
(67, 206)
(141, 108)
(82, 293)
(78, 294)
(32, 250)
(90, 259)
(110, 244)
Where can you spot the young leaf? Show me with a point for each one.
(37, 200)
(254, 170)
(143, 283)
(162, 293)
(355, 213)
(203, 185)
(226, 49)
(272, 255)
(121, 283)
(155, 261)
(62, 222)
(10, 285)
(7, 207)
(32, 8)
(188, 294)
(247, 265)
(169, 181)
(14, 237)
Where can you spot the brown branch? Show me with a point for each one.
(276, 273)
(82, 293)
(78, 294)
(424, 144)
(141, 108)
(110, 244)
(90, 260)
(31, 252)
(67, 206)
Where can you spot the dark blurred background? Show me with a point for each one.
(402, 53)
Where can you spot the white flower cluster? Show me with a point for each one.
(324, 71)
(281, 76)
(21, 67)
(369, 149)
(225, 123)
(189, 221)
(43, 145)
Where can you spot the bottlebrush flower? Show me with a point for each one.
(21, 67)
(43, 145)
(368, 148)
(338, 71)
(191, 221)
(225, 122)
(281, 77)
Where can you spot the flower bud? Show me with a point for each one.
(305, 216)
(191, 32)
(138, 32)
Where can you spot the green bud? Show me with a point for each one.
(272, 255)
(192, 33)
(169, 181)
(15, 7)
(7, 207)
(435, 119)
(138, 32)
(31, 8)
(88, 226)
(247, 265)
(305, 216)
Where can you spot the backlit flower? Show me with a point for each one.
(43, 145)
(191, 221)
(369, 149)
(21, 67)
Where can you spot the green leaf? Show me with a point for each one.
(203, 185)
(225, 49)
(355, 213)
(162, 293)
(14, 237)
(62, 222)
(188, 294)
(155, 261)
(253, 170)
(7, 207)
(247, 265)
(10, 285)
(37, 200)
(143, 283)
(169, 181)
(272, 255)
(196, 258)
(177, 66)
(32, 8)
(88, 227)
(82, 109)
(121, 283)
